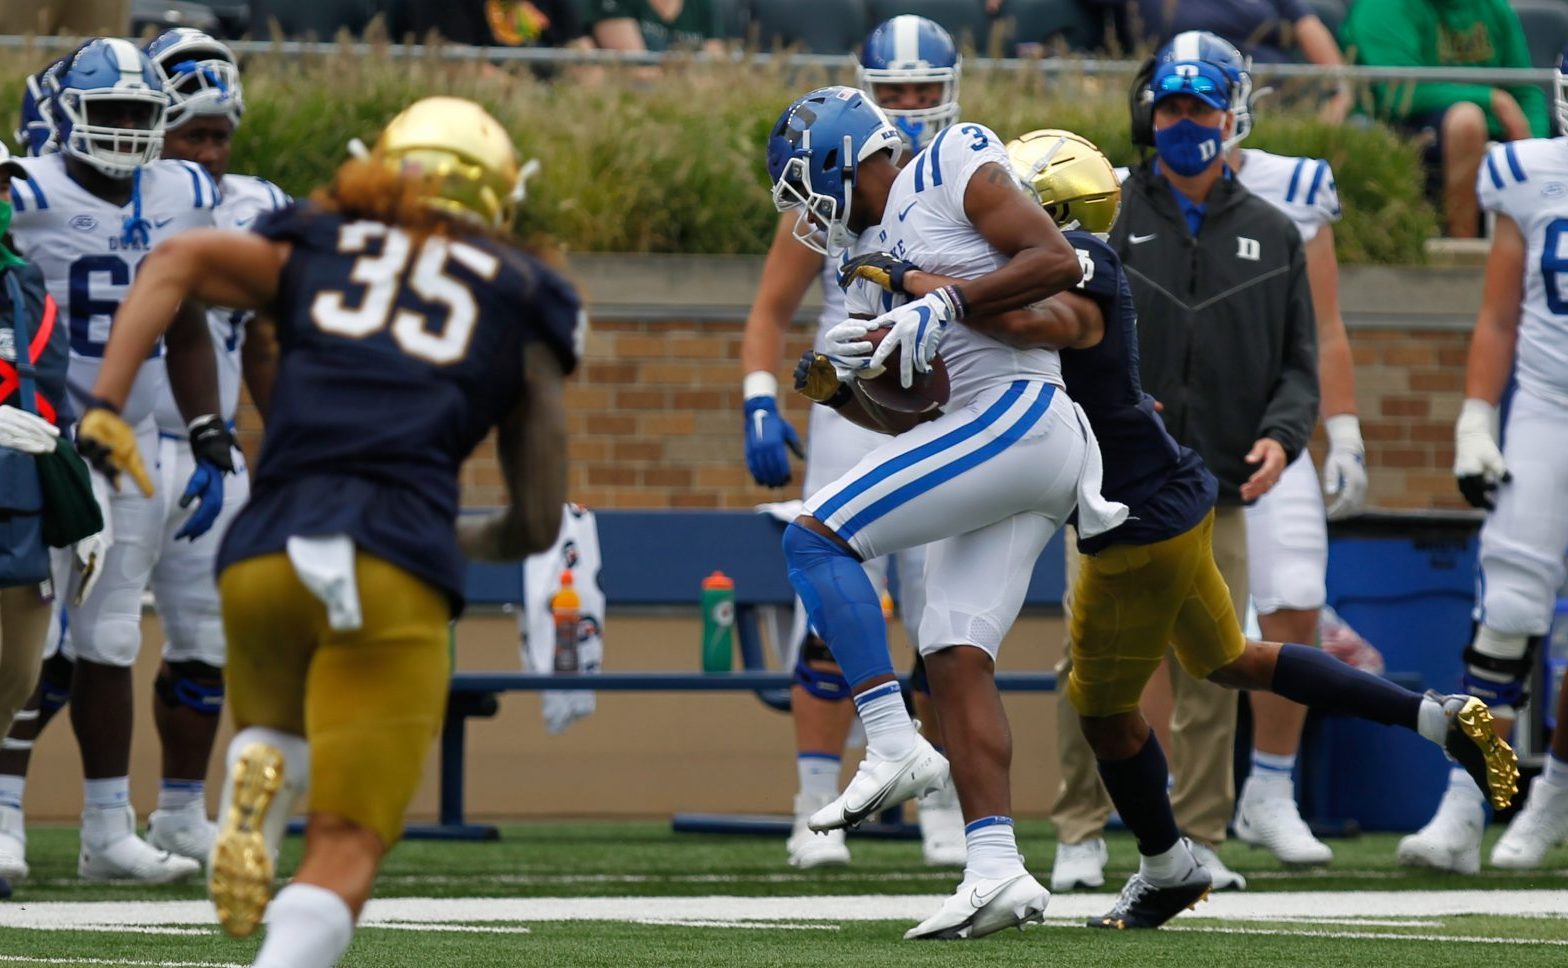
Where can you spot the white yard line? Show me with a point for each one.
(35, 960)
(1368, 935)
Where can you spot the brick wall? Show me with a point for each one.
(654, 418)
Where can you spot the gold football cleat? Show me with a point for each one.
(1475, 745)
(240, 879)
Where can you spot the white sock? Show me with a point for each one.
(1555, 773)
(890, 733)
(1171, 867)
(176, 795)
(1273, 775)
(992, 848)
(109, 794)
(307, 927)
(1431, 721)
(818, 774)
(11, 789)
(296, 777)
(107, 816)
(1461, 784)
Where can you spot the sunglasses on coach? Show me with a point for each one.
(1196, 83)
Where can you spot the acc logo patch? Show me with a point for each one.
(83, 223)
(1553, 190)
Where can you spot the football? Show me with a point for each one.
(929, 390)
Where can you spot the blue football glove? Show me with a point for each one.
(767, 434)
(205, 488)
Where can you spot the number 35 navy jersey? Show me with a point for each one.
(398, 355)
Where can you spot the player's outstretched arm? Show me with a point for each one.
(531, 445)
(786, 275)
(1478, 462)
(1344, 468)
(220, 268)
(1067, 320)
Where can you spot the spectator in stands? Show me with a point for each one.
(81, 18)
(1457, 118)
(1268, 31)
(656, 25)
(501, 23)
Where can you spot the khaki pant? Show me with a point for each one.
(1203, 726)
(24, 626)
(79, 18)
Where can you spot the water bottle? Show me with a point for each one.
(718, 622)
(566, 607)
(1556, 660)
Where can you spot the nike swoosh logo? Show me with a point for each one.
(925, 318)
(757, 417)
(907, 209)
(1140, 239)
(855, 813)
(159, 223)
(980, 900)
(244, 221)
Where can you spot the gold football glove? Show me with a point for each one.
(817, 379)
(109, 443)
(878, 268)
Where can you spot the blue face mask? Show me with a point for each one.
(1187, 147)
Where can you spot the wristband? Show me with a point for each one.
(759, 383)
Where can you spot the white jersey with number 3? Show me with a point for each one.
(924, 223)
(88, 257)
(1528, 182)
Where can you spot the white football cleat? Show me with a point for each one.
(942, 828)
(186, 832)
(1451, 840)
(1222, 877)
(127, 857)
(983, 906)
(1080, 865)
(1274, 823)
(13, 845)
(1541, 825)
(882, 783)
(808, 849)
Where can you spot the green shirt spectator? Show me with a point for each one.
(656, 25)
(1443, 33)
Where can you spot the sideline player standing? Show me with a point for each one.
(340, 577)
(87, 217)
(1522, 328)
(206, 102)
(910, 66)
(988, 480)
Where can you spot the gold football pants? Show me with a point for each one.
(368, 701)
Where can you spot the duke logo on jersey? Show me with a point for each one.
(89, 250)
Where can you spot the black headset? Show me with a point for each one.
(1140, 103)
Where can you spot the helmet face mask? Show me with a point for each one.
(110, 106)
(913, 50)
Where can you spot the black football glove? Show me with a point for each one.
(878, 268)
(212, 442)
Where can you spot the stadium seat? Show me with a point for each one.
(1545, 24)
(1079, 25)
(820, 26)
(966, 20)
(734, 16)
(321, 18)
(1331, 12)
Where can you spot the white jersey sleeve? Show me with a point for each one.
(1302, 188)
(244, 199)
(942, 172)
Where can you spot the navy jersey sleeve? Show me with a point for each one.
(296, 223)
(1102, 270)
(556, 318)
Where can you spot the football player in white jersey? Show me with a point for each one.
(87, 217)
(985, 481)
(1287, 535)
(206, 101)
(1522, 328)
(911, 67)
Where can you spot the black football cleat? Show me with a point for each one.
(1143, 904)
(1473, 744)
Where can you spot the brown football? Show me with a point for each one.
(930, 389)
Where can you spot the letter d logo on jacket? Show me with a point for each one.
(1248, 249)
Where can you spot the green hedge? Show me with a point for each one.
(674, 164)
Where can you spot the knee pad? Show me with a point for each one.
(54, 683)
(194, 685)
(1497, 668)
(918, 680)
(831, 686)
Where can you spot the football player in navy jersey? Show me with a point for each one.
(408, 328)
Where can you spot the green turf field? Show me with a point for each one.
(628, 895)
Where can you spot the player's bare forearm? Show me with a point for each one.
(192, 362)
(259, 362)
(1336, 368)
(531, 447)
(786, 275)
(1496, 335)
(1041, 263)
(1066, 320)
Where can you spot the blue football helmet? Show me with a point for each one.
(1560, 93)
(109, 109)
(913, 50)
(1201, 45)
(201, 76)
(813, 154)
(36, 132)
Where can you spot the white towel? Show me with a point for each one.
(576, 548)
(325, 566)
(1096, 515)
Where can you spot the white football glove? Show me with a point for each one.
(26, 432)
(846, 344)
(1345, 468)
(87, 557)
(1477, 462)
(917, 329)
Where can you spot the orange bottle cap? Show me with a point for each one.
(718, 580)
(566, 579)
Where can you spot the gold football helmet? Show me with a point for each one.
(475, 168)
(1073, 179)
